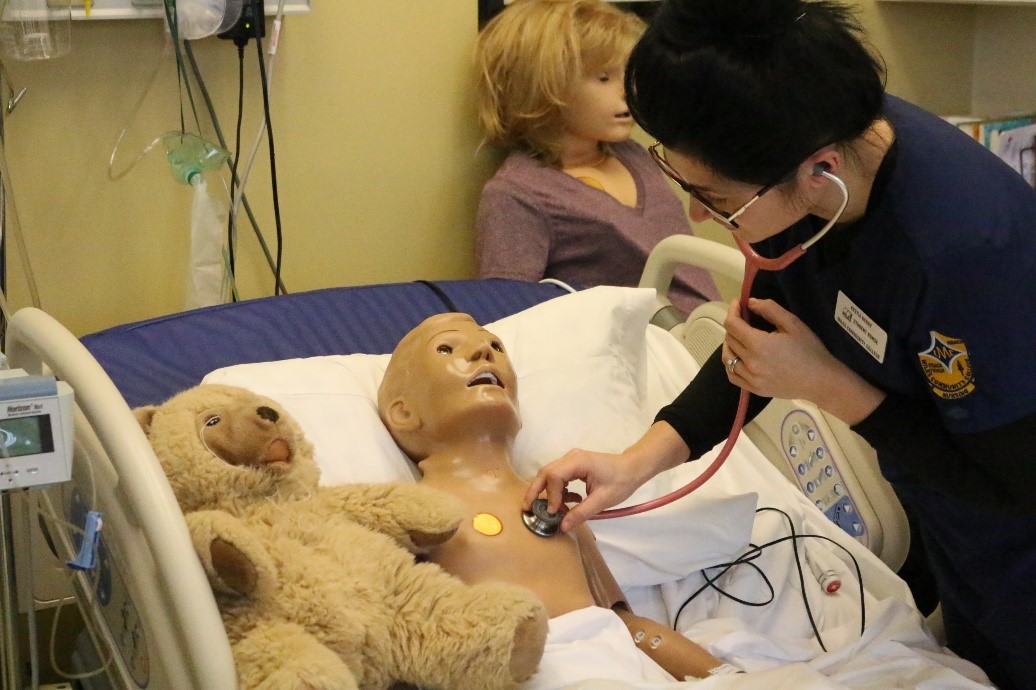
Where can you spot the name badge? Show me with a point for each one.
(868, 334)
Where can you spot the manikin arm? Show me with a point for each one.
(678, 655)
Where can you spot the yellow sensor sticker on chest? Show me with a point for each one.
(487, 524)
(947, 367)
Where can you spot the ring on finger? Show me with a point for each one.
(731, 363)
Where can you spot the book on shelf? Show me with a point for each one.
(1011, 137)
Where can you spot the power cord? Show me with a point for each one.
(232, 160)
(755, 551)
(273, 155)
(252, 24)
(232, 216)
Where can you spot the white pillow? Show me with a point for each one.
(580, 360)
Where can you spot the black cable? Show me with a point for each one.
(802, 577)
(440, 293)
(259, 19)
(182, 79)
(223, 142)
(753, 553)
(235, 159)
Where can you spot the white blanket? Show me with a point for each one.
(774, 643)
(592, 638)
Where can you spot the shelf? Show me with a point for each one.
(153, 9)
(1011, 3)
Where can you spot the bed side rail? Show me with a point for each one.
(836, 468)
(199, 639)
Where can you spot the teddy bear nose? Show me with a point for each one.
(267, 413)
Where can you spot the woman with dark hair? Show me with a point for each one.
(911, 320)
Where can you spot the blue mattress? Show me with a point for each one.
(150, 361)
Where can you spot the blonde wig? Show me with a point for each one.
(530, 58)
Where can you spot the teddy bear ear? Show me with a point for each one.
(399, 416)
(144, 416)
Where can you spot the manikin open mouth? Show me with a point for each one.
(485, 378)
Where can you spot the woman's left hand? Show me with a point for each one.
(790, 362)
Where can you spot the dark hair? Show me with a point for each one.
(753, 87)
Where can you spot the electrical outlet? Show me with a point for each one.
(245, 29)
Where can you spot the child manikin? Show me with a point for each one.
(576, 198)
(449, 399)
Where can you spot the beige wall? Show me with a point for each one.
(376, 143)
(377, 148)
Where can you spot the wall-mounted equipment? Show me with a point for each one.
(153, 9)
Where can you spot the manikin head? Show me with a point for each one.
(548, 68)
(449, 382)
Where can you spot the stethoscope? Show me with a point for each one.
(545, 524)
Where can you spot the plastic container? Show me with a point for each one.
(201, 18)
(35, 29)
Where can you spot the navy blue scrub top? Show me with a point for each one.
(943, 265)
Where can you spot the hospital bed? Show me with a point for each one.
(589, 358)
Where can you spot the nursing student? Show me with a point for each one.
(912, 319)
(576, 199)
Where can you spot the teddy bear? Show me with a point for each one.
(323, 586)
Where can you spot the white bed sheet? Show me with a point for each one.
(588, 377)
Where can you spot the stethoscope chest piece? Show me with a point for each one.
(540, 522)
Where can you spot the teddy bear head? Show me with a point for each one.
(224, 446)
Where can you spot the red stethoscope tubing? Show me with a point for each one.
(753, 262)
(735, 429)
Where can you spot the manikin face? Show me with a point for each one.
(459, 381)
(596, 111)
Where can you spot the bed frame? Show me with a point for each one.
(130, 603)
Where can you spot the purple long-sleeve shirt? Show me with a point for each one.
(536, 222)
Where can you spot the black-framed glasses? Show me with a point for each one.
(728, 219)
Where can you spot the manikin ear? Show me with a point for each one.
(399, 416)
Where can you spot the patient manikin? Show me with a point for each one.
(449, 399)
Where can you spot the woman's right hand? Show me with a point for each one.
(610, 478)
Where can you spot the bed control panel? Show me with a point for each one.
(815, 468)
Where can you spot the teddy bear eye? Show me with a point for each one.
(213, 420)
(444, 349)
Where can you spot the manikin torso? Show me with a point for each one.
(551, 567)
(450, 399)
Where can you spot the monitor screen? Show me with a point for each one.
(26, 436)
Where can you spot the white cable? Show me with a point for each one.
(11, 219)
(167, 46)
(30, 603)
(45, 508)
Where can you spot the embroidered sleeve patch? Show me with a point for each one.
(946, 366)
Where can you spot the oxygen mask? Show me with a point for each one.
(190, 155)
